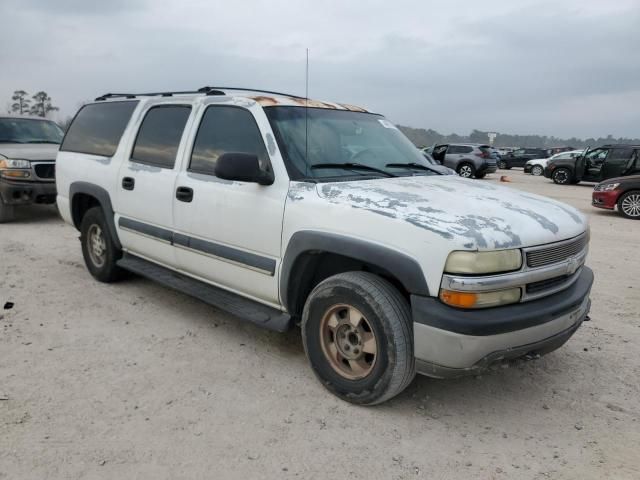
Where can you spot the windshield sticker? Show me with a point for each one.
(386, 123)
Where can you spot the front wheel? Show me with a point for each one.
(629, 205)
(99, 252)
(561, 176)
(358, 337)
(7, 212)
(537, 170)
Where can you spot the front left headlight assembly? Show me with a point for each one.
(468, 263)
(14, 168)
(606, 187)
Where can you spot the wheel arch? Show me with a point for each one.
(83, 196)
(313, 256)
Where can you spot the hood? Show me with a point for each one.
(29, 151)
(470, 213)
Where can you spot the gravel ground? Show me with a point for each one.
(132, 380)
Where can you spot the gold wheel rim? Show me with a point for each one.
(348, 341)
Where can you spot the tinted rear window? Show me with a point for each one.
(98, 127)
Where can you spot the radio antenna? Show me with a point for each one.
(306, 112)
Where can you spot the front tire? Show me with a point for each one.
(561, 176)
(7, 212)
(537, 170)
(99, 252)
(357, 332)
(629, 205)
(503, 165)
(466, 170)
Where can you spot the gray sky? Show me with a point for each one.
(564, 67)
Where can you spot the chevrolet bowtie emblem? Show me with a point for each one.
(572, 265)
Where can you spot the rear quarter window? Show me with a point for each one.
(98, 128)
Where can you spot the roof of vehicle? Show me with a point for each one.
(620, 145)
(266, 98)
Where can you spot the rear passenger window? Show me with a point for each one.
(98, 128)
(159, 135)
(224, 130)
(620, 154)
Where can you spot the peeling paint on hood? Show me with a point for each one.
(471, 213)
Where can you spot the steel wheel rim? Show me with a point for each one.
(631, 205)
(96, 245)
(536, 170)
(465, 171)
(348, 342)
(561, 176)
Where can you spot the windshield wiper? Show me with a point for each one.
(353, 166)
(413, 165)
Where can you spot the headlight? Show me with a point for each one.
(606, 187)
(13, 169)
(473, 263)
(480, 299)
(9, 163)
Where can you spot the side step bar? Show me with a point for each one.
(241, 307)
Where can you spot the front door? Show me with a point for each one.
(229, 232)
(593, 162)
(146, 183)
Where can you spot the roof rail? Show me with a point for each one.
(203, 90)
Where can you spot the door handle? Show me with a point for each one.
(128, 183)
(184, 194)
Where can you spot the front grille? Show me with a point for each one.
(543, 285)
(555, 254)
(45, 170)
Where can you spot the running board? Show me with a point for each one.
(241, 307)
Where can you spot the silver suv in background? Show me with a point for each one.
(467, 159)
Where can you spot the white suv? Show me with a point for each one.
(284, 211)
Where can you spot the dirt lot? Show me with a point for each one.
(132, 380)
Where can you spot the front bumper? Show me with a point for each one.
(26, 193)
(450, 342)
(606, 200)
(527, 168)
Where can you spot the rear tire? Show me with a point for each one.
(99, 252)
(7, 212)
(629, 205)
(481, 175)
(503, 165)
(561, 176)
(466, 170)
(357, 332)
(537, 170)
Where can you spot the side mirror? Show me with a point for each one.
(242, 167)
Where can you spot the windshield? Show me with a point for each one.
(24, 130)
(360, 142)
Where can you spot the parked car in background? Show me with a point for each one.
(620, 192)
(258, 205)
(28, 147)
(519, 157)
(536, 167)
(467, 159)
(553, 150)
(596, 165)
(502, 151)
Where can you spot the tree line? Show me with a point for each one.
(424, 138)
(39, 104)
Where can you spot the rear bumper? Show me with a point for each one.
(26, 193)
(449, 342)
(606, 200)
(487, 168)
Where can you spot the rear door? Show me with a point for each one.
(617, 163)
(229, 232)
(146, 183)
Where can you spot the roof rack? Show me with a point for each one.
(203, 90)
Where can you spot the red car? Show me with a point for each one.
(623, 192)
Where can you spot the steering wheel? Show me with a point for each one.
(369, 151)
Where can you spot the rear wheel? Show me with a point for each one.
(629, 204)
(561, 176)
(99, 252)
(466, 170)
(537, 170)
(357, 334)
(503, 165)
(7, 212)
